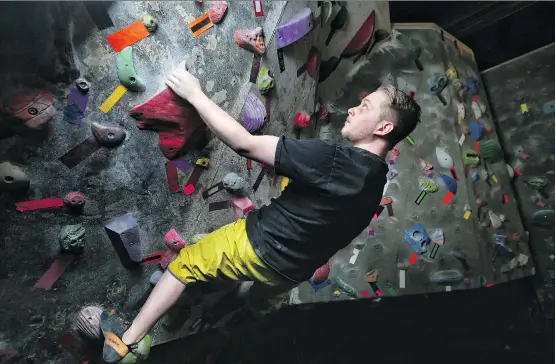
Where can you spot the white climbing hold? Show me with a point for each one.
(444, 158)
(476, 110)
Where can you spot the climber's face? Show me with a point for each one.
(368, 120)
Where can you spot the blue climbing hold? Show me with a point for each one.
(476, 129)
(448, 182)
(548, 108)
(471, 85)
(417, 238)
(474, 176)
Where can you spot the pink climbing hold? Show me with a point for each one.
(173, 241)
(217, 11)
(301, 119)
(321, 274)
(242, 204)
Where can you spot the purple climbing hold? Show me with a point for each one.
(448, 182)
(254, 113)
(124, 235)
(294, 29)
(476, 129)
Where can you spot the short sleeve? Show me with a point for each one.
(306, 161)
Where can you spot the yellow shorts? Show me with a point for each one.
(224, 254)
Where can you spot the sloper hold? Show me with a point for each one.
(361, 38)
(448, 182)
(444, 158)
(217, 11)
(12, 177)
(250, 39)
(124, 235)
(254, 113)
(33, 107)
(490, 150)
(446, 277)
(126, 72)
(177, 121)
(294, 29)
(108, 136)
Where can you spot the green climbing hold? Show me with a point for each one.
(427, 185)
(265, 81)
(470, 157)
(150, 23)
(543, 218)
(126, 72)
(490, 150)
(536, 183)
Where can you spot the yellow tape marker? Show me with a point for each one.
(494, 179)
(467, 215)
(114, 97)
(524, 108)
(460, 118)
(284, 183)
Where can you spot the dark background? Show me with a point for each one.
(497, 31)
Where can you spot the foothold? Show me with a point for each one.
(444, 158)
(345, 287)
(254, 113)
(155, 277)
(33, 107)
(495, 220)
(437, 236)
(75, 201)
(250, 39)
(294, 29)
(126, 72)
(470, 157)
(108, 136)
(427, 185)
(321, 274)
(466, 131)
(336, 293)
(242, 204)
(536, 183)
(177, 121)
(265, 81)
(82, 85)
(87, 323)
(72, 239)
(124, 235)
(371, 276)
(173, 241)
(150, 22)
(417, 238)
(490, 150)
(476, 130)
(451, 73)
(12, 177)
(234, 184)
(301, 119)
(476, 110)
(217, 11)
(447, 182)
(446, 277)
(522, 260)
(392, 173)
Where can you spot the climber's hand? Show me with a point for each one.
(184, 84)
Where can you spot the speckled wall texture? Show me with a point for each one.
(528, 140)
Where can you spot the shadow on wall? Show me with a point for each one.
(39, 38)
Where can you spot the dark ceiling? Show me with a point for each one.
(496, 31)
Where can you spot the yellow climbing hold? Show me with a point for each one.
(427, 185)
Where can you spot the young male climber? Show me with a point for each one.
(334, 192)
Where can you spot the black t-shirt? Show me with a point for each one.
(334, 194)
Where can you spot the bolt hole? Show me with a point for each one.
(82, 84)
(110, 135)
(8, 179)
(32, 111)
(132, 79)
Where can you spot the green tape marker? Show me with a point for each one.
(420, 197)
(410, 140)
(434, 251)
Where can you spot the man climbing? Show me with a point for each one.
(334, 193)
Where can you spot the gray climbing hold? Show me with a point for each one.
(72, 238)
(12, 177)
(108, 136)
(234, 184)
(155, 277)
(87, 323)
(446, 277)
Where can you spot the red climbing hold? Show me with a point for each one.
(301, 119)
(33, 107)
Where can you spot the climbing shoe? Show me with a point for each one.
(114, 350)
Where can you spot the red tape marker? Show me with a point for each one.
(172, 177)
(476, 145)
(55, 271)
(152, 258)
(447, 198)
(365, 294)
(413, 258)
(454, 175)
(518, 172)
(45, 203)
(258, 7)
(476, 99)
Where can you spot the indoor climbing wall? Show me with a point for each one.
(106, 174)
(449, 218)
(525, 122)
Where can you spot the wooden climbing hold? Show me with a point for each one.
(126, 72)
(294, 29)
(250, 39)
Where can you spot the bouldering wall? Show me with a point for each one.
(128, 195)
(527, 136)
(473, 250)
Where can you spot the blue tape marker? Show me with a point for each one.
(317, 286)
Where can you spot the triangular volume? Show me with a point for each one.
(124, 235)
(294, 29)
(177, 121)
